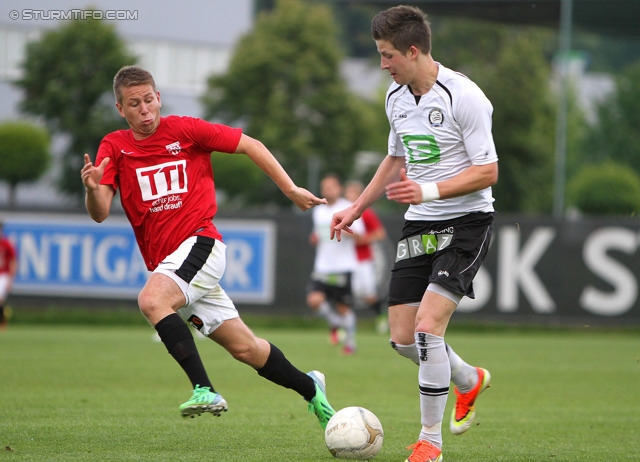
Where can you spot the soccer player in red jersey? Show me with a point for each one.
(161, 167)
(365, 279)
(8, 268)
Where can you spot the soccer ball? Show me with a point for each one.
(354, 433)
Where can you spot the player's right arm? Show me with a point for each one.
(98, 196)
(388, 171)
(263, 158)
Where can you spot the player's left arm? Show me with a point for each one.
(474, 113)
(264, 159)
(472, 179)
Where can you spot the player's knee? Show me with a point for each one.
(146, 303)
(154, 306)
(314, 299)
(241, 351)
(247, 351)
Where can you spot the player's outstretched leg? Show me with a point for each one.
(203, 400)
(319, 404)
(464, 412)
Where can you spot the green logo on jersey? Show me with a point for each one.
(422, 149)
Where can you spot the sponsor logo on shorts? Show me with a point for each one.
(196, 322)
(418, 245)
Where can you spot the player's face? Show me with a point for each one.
(330, 189)
(141, 107)
(351, 193)
(399, 65)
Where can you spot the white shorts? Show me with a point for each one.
(4, 286)
(208, 305)
(364, 282)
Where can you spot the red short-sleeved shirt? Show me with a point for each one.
(7, 255)
(166, 181)
(371, 223)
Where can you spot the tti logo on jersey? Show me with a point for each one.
(163, 179)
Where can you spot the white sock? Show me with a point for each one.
(349, 322)
(463, 375)
(332, 318)
(408, 351)
(433, 378)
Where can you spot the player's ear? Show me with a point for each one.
(119, 108)
(159, 100)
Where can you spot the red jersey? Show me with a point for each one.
(7, 255)
(166, 181)
(371, 223)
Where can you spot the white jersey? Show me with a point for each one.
(332, 256)
(444, 133)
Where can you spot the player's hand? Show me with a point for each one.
(90, 174)
(341, 221)
(405, 191)
(305, 200)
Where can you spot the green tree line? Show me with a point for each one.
(284, 87)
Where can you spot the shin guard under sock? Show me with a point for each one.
(433, 377)
(176, 336)
(280, 371)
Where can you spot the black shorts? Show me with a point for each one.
(448, 253)
(335, 287)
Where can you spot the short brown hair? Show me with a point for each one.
(131, 76)
(403, 26)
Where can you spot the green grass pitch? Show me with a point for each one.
(102, 393)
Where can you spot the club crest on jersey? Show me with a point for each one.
(436, 117)
(174, 148)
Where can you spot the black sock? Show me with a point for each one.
(176, 336)
(280, 371)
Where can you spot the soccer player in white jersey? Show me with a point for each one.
(329, 292)
(442, 162)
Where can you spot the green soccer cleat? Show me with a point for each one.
(319, 404)
(203, 400)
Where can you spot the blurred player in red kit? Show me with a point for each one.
(8, 269)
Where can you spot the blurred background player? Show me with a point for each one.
(330, 290)
(8, 268)
(367, 278)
